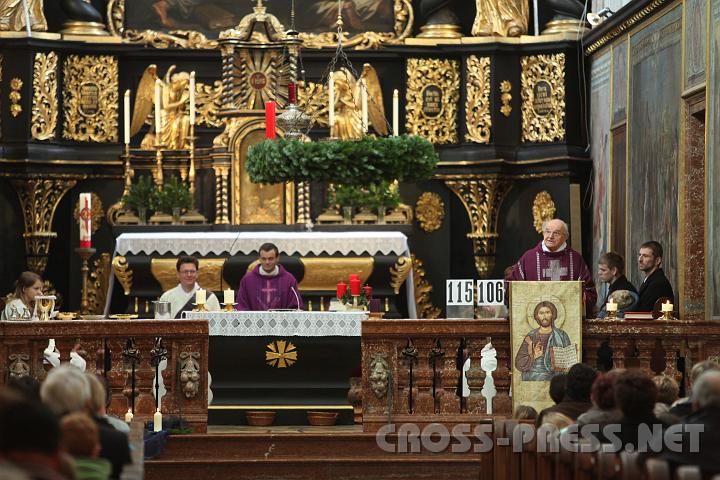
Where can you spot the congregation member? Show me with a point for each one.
(611, 270)
(81, 439)
(553, 259)
(683, 407)
(21, 303)
(655, 285)
(602, 396)
(668, 393)
(182, 297)
(576, 401)
(268, 286)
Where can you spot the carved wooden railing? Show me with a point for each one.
(22, 345)
(654, 346)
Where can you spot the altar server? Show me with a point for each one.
(182, 297)
(268, 286)
(21, 303)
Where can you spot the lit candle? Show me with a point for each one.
(228, 296)
(128, 416)
(157, 421)
(354, 287)
(364, 98)
(200, 296)
(158, 108)
(666, 307)
(331, 101)
(192, 98)
(126, 111)
(611, 306)
(85, 221)
(396, 113)
(341, 289)
(270, 120)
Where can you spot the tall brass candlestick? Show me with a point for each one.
(158, 174)
(85, 254)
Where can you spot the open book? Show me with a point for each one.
(562, 358)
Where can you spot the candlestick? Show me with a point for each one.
(126, 119)
(364, 98)
(85, 254)
(331, 104)
(192, 98)
(128, 416)
(611, 306)
(158, 110)
(157, 421)
(85, 220)
(270, 120)
(228, 296)
(666, 307)
(396, 113)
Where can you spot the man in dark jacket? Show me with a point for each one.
(656, 284)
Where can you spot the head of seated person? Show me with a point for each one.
(625, 299)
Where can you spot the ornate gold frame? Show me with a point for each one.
(550, 69)
(445, 75)
(404, 19)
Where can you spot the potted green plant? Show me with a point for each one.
(139, 197)
(177, 197)
(384, 197)
(348, 197)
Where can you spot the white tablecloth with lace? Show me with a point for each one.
(295, 323)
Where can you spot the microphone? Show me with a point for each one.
(297, 297)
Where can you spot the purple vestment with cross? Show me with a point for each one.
(259, 292)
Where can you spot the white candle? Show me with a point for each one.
(128, 416)
(192, 98)
(331, 100)
(157, 421)
(228, 296)
(200, 296)
(364, 98)
(158, 108)
(396, 113)
(85, 220)
(126, 123)
(666, 307)
(611, 306)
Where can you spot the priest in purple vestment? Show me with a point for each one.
(553, 259)
(268, 286)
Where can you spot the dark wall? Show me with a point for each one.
(12, 244)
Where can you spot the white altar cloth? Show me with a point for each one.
(289, 324)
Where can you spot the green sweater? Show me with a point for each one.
(87, 468)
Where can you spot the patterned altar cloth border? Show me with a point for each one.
(289, 243)
(287, 324)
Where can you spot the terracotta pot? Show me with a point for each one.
(260, 418)
(322, 419)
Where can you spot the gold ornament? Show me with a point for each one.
(543, 97)
(12, 15)
(506, 18)
(15, 96)
(430, 211)
(313, 100)
(477, 104)
(208, 103)
(348, 111)
(99, 281)
(116, 17)
(90, 98)
(123, 273)
(96, 214)
(44, 108)
(505, 97)
(423, 289)
(399, 273)
(173, 39)
(432, 95)
(543, 209)
(281, 354)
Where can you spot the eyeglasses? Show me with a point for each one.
(556, 233)
(188, 272)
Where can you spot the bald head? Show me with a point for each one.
(706, 390)
(555, 234)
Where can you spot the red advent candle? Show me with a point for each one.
(354, 276)
(292, 95)
(85, 221)
(354, 287)
(270, 120)
(368, 291)
(341, 289)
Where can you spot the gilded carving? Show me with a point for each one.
(99, 281)
(190, 373)
(482, 199)
(433, 92)
(507, 18)
(39, 199)
(90, 98)
(123, 273)
(15, 96)
(543, 97)
(44, 108)
(313, 100)
(399, 273)
(379, 374)
(477, 104)
(173, 39)
(12, 15)
(257, 78)
(430, 211)
(281, 354)
(116, 17)
(96, 213)
(208, 103)
(348, 111)
(321, 274)
(164, 270)
(505, 97)
(543, 209)
(423, 289)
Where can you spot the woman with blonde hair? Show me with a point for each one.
(21, 303)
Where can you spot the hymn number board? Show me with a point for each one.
(463, 295)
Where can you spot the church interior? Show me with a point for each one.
(419, 215)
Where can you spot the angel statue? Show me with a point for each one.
(348, 116)
(12, 15)
(175, 116)
(506, 18)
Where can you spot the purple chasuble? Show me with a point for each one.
(567, 264)
(259, 292)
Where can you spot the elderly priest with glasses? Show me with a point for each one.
(553, 259)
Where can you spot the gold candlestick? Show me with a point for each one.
(200, 307)
(229, 307)
(158, 172)
(612, 315)
(85, 254)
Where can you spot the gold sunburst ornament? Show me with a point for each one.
(281, 354)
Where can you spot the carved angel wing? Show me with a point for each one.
(144, 98)
(376, 109)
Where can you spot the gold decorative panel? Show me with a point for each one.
(477, 104)
(90, 98)
(324, 273)
(261, 74)
(543, 209)
(123, 273)
(15, 96)
(165, 272)
(281, 354)
(423, 289)
(543, 97)
(44, 107)
(313, 100)
(208, 103)
(432, 96)
(505, 97)
(430, 211)
(400, 272)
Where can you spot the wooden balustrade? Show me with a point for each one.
(185, 378)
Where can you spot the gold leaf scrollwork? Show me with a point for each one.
(543, 209)
(44, 108)
(477, 105)
(123, 273)
(116, 17)
(436, 74)
(90, 98)
(423, 289)
(313, 100)
(15, 96)
(208, 103)
(99, 280)
(96, 212)
(172, 39)
(543, 97)
(430, 211)
(505, 97)
(399, 273)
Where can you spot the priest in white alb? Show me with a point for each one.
(183, 296)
